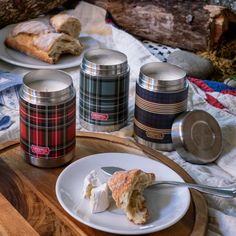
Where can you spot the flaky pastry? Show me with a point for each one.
(38, 40)
(127, 190)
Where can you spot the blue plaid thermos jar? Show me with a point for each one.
(104, 90)
(161, 95)
(47, 118)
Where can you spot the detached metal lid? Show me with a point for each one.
(197, 137)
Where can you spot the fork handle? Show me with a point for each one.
(218, 191)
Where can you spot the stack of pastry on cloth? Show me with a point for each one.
(47, 42)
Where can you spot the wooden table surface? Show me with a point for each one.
(28, 203)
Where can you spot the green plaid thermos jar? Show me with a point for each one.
(104, 90)
(161, 95)
(47, 118)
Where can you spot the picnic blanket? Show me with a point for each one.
(210, 96)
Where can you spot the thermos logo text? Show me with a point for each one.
(99, 116)
(40, 150)
(155, 135)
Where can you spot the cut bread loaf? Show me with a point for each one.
(64, 23)
(127, 190)
(39, 40)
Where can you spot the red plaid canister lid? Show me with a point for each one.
(47, 87)
(197, 137)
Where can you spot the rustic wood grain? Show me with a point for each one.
(9, 227)
(185, 24)
(31, 190)
(8, 145)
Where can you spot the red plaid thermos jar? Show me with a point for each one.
(47, 118)
(161, 95)
(104, 90)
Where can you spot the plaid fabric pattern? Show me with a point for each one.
(104, 100)
(47, 131)
(155, 113)
(162, 98)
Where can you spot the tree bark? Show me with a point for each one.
(186, 24)
(13, 11)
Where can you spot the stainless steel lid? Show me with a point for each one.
(160, 76)
(47, 87)
(104, 62)
(197, 137)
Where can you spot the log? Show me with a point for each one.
(190, 25)
(14, 11)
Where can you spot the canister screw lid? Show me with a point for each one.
(42, 95)
(104, 62)
(162, 77)
(197, 137)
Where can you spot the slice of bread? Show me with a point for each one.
(64, 23)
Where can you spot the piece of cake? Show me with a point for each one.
(64, 23)
(127, 189)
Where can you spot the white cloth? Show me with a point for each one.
(222, 212)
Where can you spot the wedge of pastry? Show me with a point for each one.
(127, 190)
(64, 23)
(39, 40)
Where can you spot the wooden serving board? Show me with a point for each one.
(28, 203)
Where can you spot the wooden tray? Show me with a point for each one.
(28, 204)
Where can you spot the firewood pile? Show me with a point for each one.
(189, 25)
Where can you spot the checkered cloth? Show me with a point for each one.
(158, 50)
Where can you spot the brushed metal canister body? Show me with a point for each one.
(161, 95)
(47, 118)
(104, 90)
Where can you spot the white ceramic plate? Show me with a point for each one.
(19, 59)
(167, 205)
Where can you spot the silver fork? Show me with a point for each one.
(225, 192)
